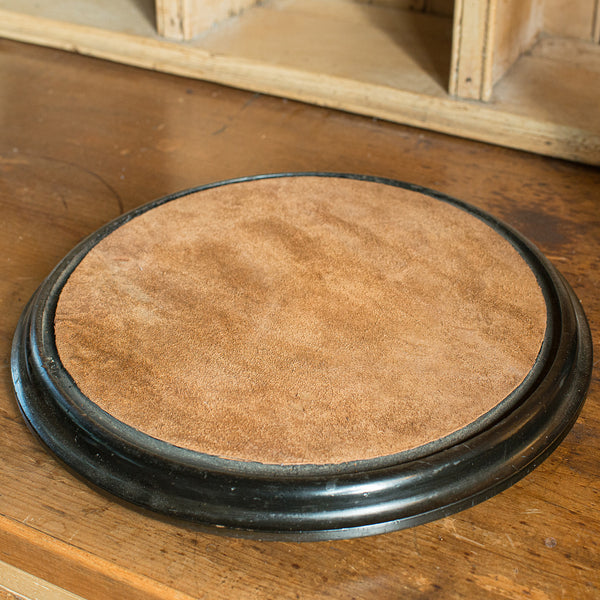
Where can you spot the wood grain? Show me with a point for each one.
(516, 29)
(437, 7)
(596, 23)
(19, 585)
(487, 39)
(570, 18)
(473, 49)
(8, 595)
(84, 140)
(314, 51)
(184, 19)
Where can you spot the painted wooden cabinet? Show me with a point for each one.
(519, 73)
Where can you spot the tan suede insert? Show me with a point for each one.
(300, 320)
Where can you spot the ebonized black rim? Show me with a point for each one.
(308, 502)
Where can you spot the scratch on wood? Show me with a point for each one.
(415, 543)
(466, 539)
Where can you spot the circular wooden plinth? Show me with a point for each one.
(308, 356)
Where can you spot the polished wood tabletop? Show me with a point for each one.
(83, 140)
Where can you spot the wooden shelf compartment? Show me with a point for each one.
(483, 73)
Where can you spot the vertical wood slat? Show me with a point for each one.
(472, 39)
(170, 19)
(596, 23)
(488, 37)
(183, 19)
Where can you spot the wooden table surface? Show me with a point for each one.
(83, 140)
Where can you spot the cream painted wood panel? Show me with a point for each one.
(364, 58)
(183, 19)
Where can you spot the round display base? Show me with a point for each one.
(303, 356)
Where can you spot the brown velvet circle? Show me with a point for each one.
(302, 320)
